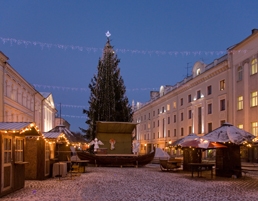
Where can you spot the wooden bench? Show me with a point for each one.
(170, 164)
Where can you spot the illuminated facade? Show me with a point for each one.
(222, 91)
(21, 102)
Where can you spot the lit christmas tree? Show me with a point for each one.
(107, 101)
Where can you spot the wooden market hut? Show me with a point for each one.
(12, 157)
(119, 133)
(60, 139)
(37, 155)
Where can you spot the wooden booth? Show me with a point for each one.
(116, 136)
(12, 157)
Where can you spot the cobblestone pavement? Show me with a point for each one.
(146, 183)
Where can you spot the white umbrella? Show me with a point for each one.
(189, 137)
(229, 133)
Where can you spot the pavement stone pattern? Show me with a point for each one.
(140, 184)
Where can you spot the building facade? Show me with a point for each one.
(222, 91)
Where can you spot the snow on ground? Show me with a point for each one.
(146, 183)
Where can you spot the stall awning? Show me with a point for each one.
(26, 128)
(115, 127)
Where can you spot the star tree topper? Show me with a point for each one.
(108, 34)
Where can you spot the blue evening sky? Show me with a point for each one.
(55, 45)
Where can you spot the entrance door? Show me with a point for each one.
(7, 163)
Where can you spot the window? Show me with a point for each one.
(149, 116)
(240, 126)
(174, 118)
(145, 117)
(168, 133)
(198, 71)
(189, 98)
(240, 104)
(210, 108)
(209, 127)
(182, 131)
(222, 122)
(199, 119)
(198, 94)
(222, 85)
(182, 101)
(254, 128)
(254, 66)
(209, 90)
(153, 113)
(168, 120)
(253, 99)
(239, 73)
(182, 116)
(163, 109)
(174, 132)
(19, 150)
(189, 114)
(190, 130)
(153, 135)
(168, 107)
(174, 105)
(158, 111)
(222, 105)
(153, 124)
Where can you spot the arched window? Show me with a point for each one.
(198, 71)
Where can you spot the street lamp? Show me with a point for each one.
(145, 145)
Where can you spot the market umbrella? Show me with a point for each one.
(229, 133)
(203, 144)
(189, 137)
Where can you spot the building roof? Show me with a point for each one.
(26, 128)
(61, 129)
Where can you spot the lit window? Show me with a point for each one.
(222, 85)
(240, 103)
(19, 150)
(198, 71)
(174, 104)
(239, 73)
(254, 66)
(254, 128)
(168, 107)
(254, 99)
(240, 126)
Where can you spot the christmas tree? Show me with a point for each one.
(108, 101)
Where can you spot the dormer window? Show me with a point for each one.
(198, 71)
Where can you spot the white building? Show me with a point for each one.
(222, 91)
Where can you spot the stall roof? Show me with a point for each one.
(115, 127)
(28, 128)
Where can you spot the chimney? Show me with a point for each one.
(254, 31)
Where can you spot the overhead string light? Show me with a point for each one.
(42, 45)
(64, 88)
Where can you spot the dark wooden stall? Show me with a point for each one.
(191, 155)
(12, 160)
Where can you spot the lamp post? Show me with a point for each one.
(145, 146)
(169, 145)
